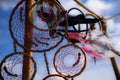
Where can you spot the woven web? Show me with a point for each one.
(11, 67)
(46, 14)
(41, 40)
(54, 77)
(69, 68)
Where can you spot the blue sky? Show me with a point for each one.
(102, 70)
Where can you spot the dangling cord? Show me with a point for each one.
(94, 59)
(15, 46)
(47, 64)
(72, 78)
(104, 26)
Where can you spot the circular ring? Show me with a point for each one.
(75, 9)
(92, 26)
(54, 77)
(70, 60)
(10, 64)
(81, 29)
(41, 40)
(47, 15)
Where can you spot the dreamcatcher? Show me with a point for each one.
(42, 39)
(77, 59)
(96, 41)
(11, 66)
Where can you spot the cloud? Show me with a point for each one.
(116, 43)
(7, 4)
(96, 74)
(113, 27)
(99, 6)
(70, 4)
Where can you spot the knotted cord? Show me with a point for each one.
(47, 64)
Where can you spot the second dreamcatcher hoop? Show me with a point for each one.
(70, 60)
(10, 64)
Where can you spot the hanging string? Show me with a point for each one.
(47, 64)
(15, 46)
(112, 16)
(72, 78)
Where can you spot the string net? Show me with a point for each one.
(54, 77)
(47, 14)
(70, 60)
(11, 66)
(41, 40)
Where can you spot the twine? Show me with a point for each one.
(47, 64)
(114, 16)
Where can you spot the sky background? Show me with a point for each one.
(102, 70)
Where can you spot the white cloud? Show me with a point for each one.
(67, 4)
(99, 6)
(7, 4)
(113, 26)
(116, 43)
(97, 73)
